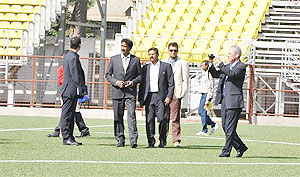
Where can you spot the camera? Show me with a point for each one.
(124, 83)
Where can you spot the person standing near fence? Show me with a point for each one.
(230, 96)
(84, 130)
(72, 89)
(156, 93)
(124, 73)
(180, 69)
(206, 89)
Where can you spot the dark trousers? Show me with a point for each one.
(174, 115)
(119, 107)
(79, 122)
(230, 119)
(67, 118)
(155, 108)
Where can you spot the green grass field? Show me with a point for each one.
(26, 151)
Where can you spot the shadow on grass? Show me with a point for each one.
(198, 147)
(270, 157)
(101, 137)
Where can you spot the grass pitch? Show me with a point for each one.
(25, 150)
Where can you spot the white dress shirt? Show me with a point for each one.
(154, 71)
(125, 61)
(206, 84)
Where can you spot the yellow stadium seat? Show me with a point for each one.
(219, 10)
(206, 33)
(201, 17)
(2, 51)
(15, 43)
(223, 3)
(193, 33)
(171, 25)
(248, 3)
(150, 14)
(161, 41)
(202, 43)
(175, 39)
(16, 25)
(223, 26)
(236, 3)
(212, 50)
(247, 35)
(16, 9)
(27, 9)
(180, 8)
(227, 45)
(231, 10)
(153, 31)
(18, 34)
(175, 16)
(157, 24)
(210, 2)
(214, 18)
(192, 9)
(10, 51)
(254, 19)
(4, 8)
(196, 3)
(141, 30)
(171, 2)
(220, 34)
(238, 27)
(211, 26)
(36, 9)
(197, 25)
(197, 55)
(4, 25)
(233, 35)
(1, 16)
(241, 18)
(228, 18)
(186, 2)
(167, 7)
(155, 7)
(179, 32)
(206, 9)
(162, 16)
(9, 17)
(21, 17)
(184, 53)
(166, 32)
(216, 43)
(183, 25)
(251, 27)
(3, 42)
(136, 40)
(244, 10)
(188, 17)
(146, 23)
(25, 26)
(188, 42)
(148, 41)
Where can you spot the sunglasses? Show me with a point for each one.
(173, 50)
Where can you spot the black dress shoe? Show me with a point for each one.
(133, 145)
(224, 155)
(161, 145)
(241, 152)
(120, 144)
(54, 134)
(71, 142)
(83, 134)
(150, 146)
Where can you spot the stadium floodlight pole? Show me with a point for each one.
(103, 29)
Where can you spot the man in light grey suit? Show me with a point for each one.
(155, 93)
(230, 96)
(124, 73)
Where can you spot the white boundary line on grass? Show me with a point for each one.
(142, 163)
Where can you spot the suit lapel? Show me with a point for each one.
(130, 62)
(121, 65)
(176, 65)
(148, 77)
(160, 71)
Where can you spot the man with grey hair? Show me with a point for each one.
(230, 96)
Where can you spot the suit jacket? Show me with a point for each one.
(165, 82)
(234, 85)
(73, 74)
(116, 72)
(181, 77)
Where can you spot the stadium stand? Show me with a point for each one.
(188, 21)
(22, 24)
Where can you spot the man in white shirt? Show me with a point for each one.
(155, 93)
(206, 89)
(180, 69)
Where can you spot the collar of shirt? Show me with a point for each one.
(157, 63)
(234, 63)
(122, 56)
(171, 60)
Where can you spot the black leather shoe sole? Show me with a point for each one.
(150, 146)
(120, 145)
(134, 146)
(241, 152)
(53, 135)
(224, 155)
(72, 143)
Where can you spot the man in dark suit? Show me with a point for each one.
(124, 73)
(230, 96)
(72, 89)
(155, 93)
